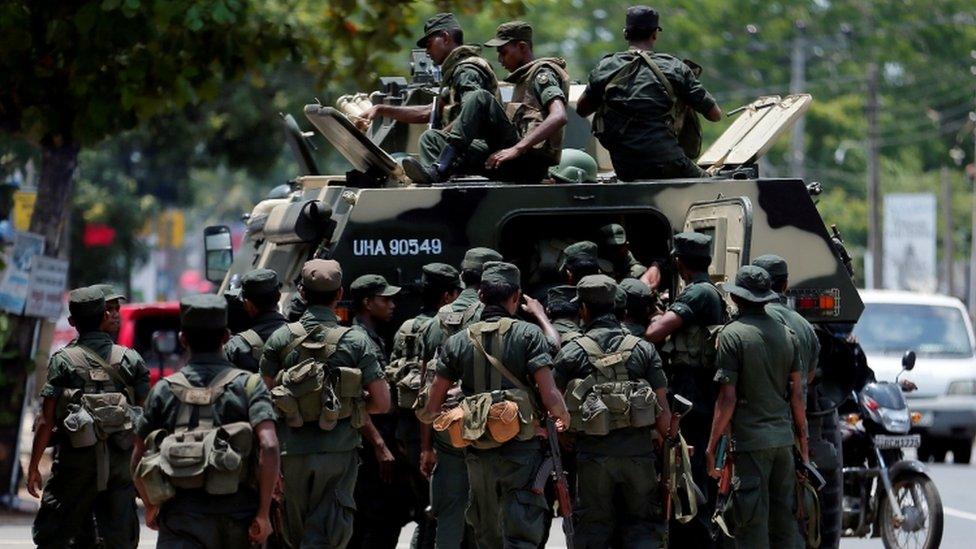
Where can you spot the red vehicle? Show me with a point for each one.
(152, 329)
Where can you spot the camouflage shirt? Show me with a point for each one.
(572, 362)
(61, 375)
(433, 334)
(757, 353)
(378, 344)
(239, 352)
(352, 351)
(638, 118)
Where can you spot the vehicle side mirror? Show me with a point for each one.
(218, 252)
(164, 342)
(908, 361)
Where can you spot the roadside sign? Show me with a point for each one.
(45, 289)
(909, 242)
(23, 209)
(16, 274)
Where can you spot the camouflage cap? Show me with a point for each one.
(86, 302)
(203, 312)
(751, 284)
(560, 294)
(440, 275)
(773, 264)
(259, 282)
(373, 285)
(613, 235)
(500, 272)
(322, 275)
(692, 244)
(596, 290)
(643, 17)
(111, 294)
(508, 31)
(438, 23)
(475, 258)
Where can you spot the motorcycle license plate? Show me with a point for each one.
(886, 442)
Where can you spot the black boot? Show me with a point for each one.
(435, 173)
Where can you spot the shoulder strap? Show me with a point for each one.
(334, 334)
(298, 335)
(191, 396)
(646, 56)
(254, 341)
(110, 369)
(475, 335)
(116, 355)
(628, 343)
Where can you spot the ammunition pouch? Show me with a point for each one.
(405, 378)
(100, 417)
(80, 427)
(488, 420)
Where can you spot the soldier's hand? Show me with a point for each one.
(152, 516)
(428, 459)
(371, 113)
(533, 306)
(34, 482)
(260, 529)
(385, 461)
(500, 157)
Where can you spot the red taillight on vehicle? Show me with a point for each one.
(816, 302)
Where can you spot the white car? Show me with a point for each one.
(939, 330)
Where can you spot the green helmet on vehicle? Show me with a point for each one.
(575, 166)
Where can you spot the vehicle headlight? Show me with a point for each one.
(896, 421)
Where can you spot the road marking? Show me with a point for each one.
(959, 514)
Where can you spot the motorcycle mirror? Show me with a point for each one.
(908, 361)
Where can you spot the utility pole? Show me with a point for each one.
(874, 181)
(948, 246)
(972, 237)
(798, 83)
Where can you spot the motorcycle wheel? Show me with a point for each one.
(913, 492)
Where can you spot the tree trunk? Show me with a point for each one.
(54, 190)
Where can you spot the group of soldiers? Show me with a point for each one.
(642, 102)
(315, 431)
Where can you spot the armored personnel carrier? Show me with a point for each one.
(372, 221)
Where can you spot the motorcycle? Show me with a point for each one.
(885, 494)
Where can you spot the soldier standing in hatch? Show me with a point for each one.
(758, 364)
(809, 344)
(467, 81)
(441, 462)
(502, 509)
(682, 333)
(260, 291)
(194, 517)
(92, 478)
(634, 108)
(615, 249)
(616, 488)
(319, 467)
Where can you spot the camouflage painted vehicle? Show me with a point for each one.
(372, 221)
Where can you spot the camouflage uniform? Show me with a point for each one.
(244, 348)
(625, 265)
(72, 495)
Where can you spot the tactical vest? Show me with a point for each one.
(463, 56)
(312, 390)
(491, 416)
(254, 341)
(405, 373)
(208, 456)
(94, 416)
(525, 110)
(607, 399)
(450, 322)
(695, 346)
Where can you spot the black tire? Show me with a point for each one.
(896, 538)
(962, 452)
(832, 496)
(924, 452)
(939, 452)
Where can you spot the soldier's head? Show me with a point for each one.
(260, 291)
(86, 309)
(513, 40)
(203, 323)
(578, 260)
(113, 304)
(640, 299)
(597, 296)
(237, 318)
(473, 264)
(501, 286)
(692, 254)
(613, 242)
(778, 271)
(442, 34)
(321, 282)
(560, 304)
(440, 284)
(372, 297)
(642, 25)
(751, 289)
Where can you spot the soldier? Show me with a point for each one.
(113, 305)
(685, 327)
(90, 475)
(616, 485)
(809, 343)
(260, 291)
(758, 364)
(449, 478)
(373, 304)
(319, 461)
(225, 511)
(440, 285)
(563, 311)
(578, 260)
(237, 318)
(615, 249)
(575, 166)
(467, 84)
(633, 95)
(637, 313)
(502, 509)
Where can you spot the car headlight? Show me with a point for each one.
(896, 421)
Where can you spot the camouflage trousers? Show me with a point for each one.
(764, 502)
(633, 169)
(318, 498)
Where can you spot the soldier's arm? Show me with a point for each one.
(270, 363)
(378, 400)
(409, 114)
(798, 401)
(140, 376)
(269, 464)
(662, 326)
(728, 364)
(42, 437)
(691, 90)
(535, 308)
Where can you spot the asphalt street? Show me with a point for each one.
(956, 486)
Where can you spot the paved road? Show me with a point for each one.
(957, 486)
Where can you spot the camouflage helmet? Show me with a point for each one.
(575, 166)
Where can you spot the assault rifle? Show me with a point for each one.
(723, 500)
(552, 468)
(680, 406)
